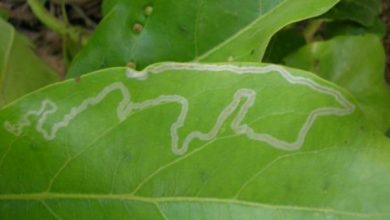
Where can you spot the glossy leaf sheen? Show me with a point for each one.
(21, 71)
(262, 144)
(147, 31)
(356, 63)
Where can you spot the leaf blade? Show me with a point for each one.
(14, 82)
(133, 159)
(188, 30)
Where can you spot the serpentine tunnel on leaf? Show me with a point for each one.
(242, 100)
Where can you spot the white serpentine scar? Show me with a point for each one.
(126, 106)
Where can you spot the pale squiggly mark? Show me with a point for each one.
(346, 106)
(126, 106)
(47, 107)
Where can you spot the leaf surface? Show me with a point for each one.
(16, 60)
(107, 5)
(191, 141)
(144, 32)
(356, 63)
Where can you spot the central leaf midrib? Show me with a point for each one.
(182, 199)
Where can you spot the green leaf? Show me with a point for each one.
(339, 28)
(363, 12)
(292, 38)
(107, 5)
(356, 63)
(4, 13)
(21, 71)
(147, 31)
(192, 141)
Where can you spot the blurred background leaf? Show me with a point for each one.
(356, 63)
(363, 12)
(356, 17)
(21, 71)
(143, 32)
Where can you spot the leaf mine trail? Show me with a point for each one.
(244, 95)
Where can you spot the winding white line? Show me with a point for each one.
(247, 96)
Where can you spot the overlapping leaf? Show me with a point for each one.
(144, 32)
(21, 71)
(356, 63)
(363, 12)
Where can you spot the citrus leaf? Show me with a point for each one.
(107, 5)
(343, 60)
(21, 71)
(140, 33)
(192, 141)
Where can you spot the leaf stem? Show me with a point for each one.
(56, 25)
(311, 29)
